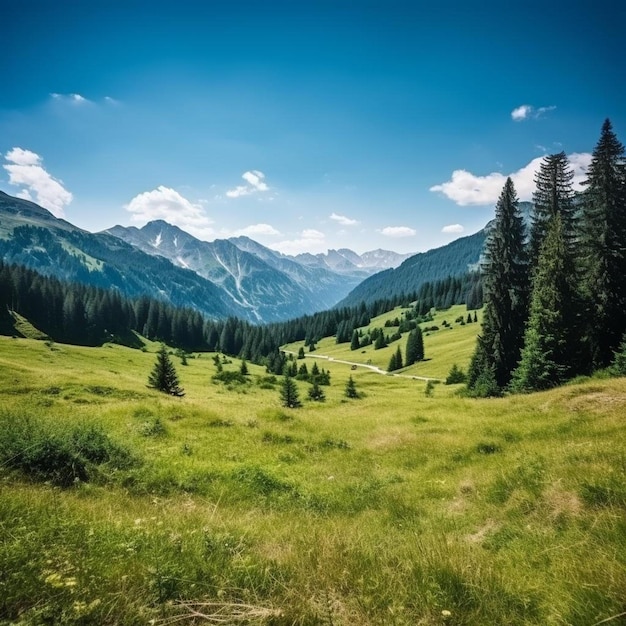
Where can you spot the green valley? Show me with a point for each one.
(394, 508)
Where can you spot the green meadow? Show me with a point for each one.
(121, 505)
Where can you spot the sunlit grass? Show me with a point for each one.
(442, 348)
(392, 509)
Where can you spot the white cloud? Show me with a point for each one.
(398, 231)
(256, 182)
(73, 98)
(527, 111)
(468, 189)
(309, 240)
(343, 220)
(255, 179)
(26, 171)
(164, 203)
(257, 229)
(521, 112)
(453, 228)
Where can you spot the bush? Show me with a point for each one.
(61, 457)
(230, 377)
(456, 376)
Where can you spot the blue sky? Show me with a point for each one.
(306, 125)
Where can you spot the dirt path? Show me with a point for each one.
(374, 368)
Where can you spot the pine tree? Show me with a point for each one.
(315, 371)
(243, 369)
(399, 364)
(553, 195)
(351, 391)
(163, 376)
(548, 356)
(414, 347)
(316, 393)
(618, 366)
(289, 393)
(393, 363)
(301, 353)
(505, 284)
(355, 344)
(604, 247)
(380, 341)
(303, 372)
(456, 375)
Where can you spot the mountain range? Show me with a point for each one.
(227, 277)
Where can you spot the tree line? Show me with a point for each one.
(555, 297)
(88, 315)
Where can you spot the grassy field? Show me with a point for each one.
(442, 348)
(396, 508)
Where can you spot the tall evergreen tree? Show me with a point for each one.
(414, 347)
(351, 390)
(550, 340)
(554, 195)
(604, 247)
(355, 344)
(316, 393)
(505, 284)
(399, 364)
(163, 376)
(289, 393)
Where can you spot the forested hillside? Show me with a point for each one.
(455, 259)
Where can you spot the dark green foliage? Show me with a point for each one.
(505, 280)
(230, 377)
(289, 393)
(323, 378)
(550, 341)
(603, 235)
(60, 456)
(427, 267)
(303, 372)
(393, 363)
(399, 364)
(553, 196)
(380, 342)
(163, 376)
(316, 393)
(430, 388)
(355, 344)
(351, 390)
(301, 353)
(414, 347)
(456, 375)
(485, 384)
(618, 366)
(243, 369)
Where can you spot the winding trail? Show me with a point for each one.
(374, 368)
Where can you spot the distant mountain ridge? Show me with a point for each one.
(269, 286)
(345, 260)
(236, 277)
(454, 259)
(33, 237)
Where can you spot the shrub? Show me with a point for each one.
(230, 377)
(61, 457)
(456, 375)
